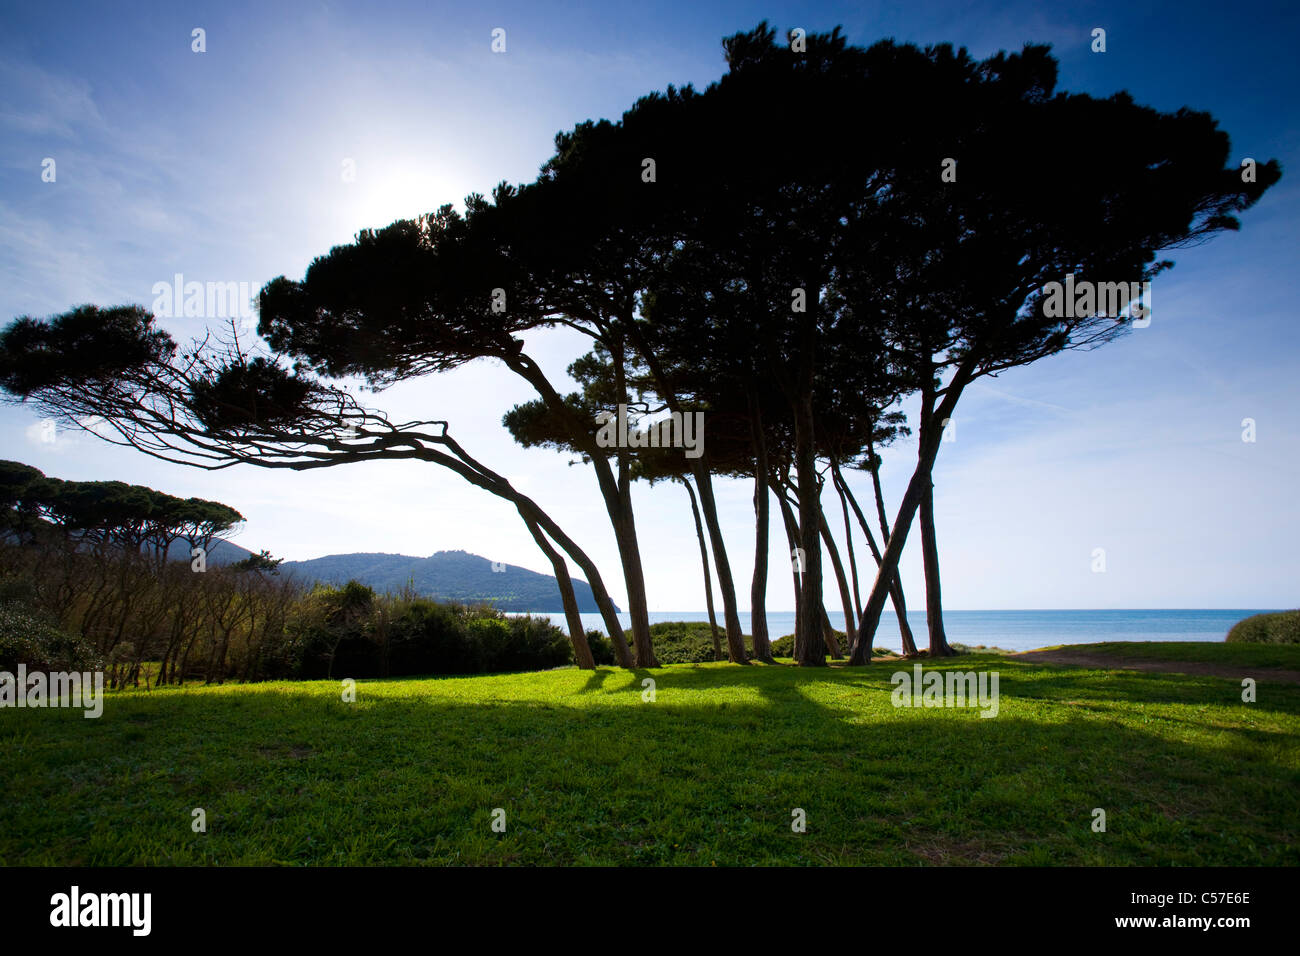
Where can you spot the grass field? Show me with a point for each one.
(709, 773)
(1271, 656)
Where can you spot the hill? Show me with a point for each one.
(447, 576)
(220, 552)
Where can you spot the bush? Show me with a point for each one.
(602, 649)
(27, 638)
(688, 642)
(1280, 627)
(784, 647)
(427, 638)
(350, 632)
(17, 590)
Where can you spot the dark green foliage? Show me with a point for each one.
(351, 632)
(688, 642)
(1281, 627)
(28, 638)
(785, 646)
(88, 346)
(602, 649)
(262, 561)
(254, 394)
(129, 516)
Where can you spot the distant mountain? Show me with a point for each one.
(446, 576)
(221, 552)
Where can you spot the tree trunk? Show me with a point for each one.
(704, 485)
(704, 562)
(907, 508)
(933, 599)
(828, 635)
(577, 633)
(838, 567)
(479, 475)
(926, 455)
(617, 506)
(758, 586)
(638, 608)
(896, 589)
(622, 653)
(896, 586)
(809, 647)
(848, 542)
(792, 539)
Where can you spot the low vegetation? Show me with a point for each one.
(1286, 657)
(1280, 627)
(75, 607)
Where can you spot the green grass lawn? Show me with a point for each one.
(1277, 656)
(588, 772)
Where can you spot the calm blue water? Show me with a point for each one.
(1012, 630)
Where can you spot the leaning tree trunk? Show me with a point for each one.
(617, 506)
(638, 608)
(793, 535)
(629, 549)
(931, 427)
(477, 474)
(704, 485)
(896, 589)
(850, 632)
(809, 646)
(828, 635)
(758, 586)
(907, 508)
(577, 633)
(896, 586)
(622, 653)
(939, 646)
(848, 544)
(704, 563)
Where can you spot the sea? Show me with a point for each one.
(1009, 630)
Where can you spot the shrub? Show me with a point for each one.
(784, 647)
(17, 590)
(688, 642)
(536, 644)
(350, 632)
(27, 638)
(426, 637)
(602, 649)
(1280, 627)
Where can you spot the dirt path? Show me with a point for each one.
(1112, 662)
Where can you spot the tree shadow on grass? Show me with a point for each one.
(299, 777)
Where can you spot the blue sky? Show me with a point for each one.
(226, 166)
